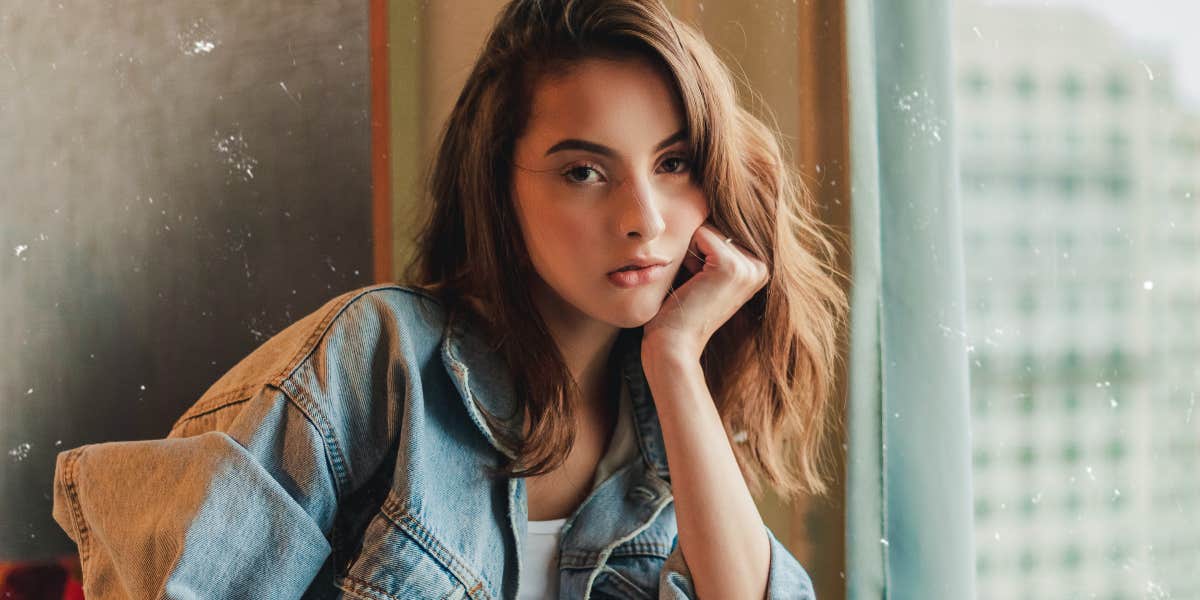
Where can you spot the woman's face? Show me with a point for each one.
(603, 175)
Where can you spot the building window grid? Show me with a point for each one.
(1117, 87)
(1113, 452)
(1072, 86)
(1024, 84)
(975, 81)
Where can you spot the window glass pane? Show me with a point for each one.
(1079, 142)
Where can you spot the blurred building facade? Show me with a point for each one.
(1080, 173)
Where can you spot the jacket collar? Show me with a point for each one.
(482, 380)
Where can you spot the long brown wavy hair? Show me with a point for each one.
(770, 368)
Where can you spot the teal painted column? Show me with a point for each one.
(909, 505)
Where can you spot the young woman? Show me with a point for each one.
(621, 321)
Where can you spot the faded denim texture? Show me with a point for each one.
(345, 458)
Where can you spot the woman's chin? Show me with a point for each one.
(636, 313)
(630, 323)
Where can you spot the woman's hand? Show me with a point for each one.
(724, 277)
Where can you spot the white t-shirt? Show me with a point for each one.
(539, 568)
(539, 571)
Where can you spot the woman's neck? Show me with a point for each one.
(585, 344)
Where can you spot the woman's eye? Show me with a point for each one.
(580, 174)
(677, 164)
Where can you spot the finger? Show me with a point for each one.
(717, 252)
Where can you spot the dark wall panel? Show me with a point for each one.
(180, 181)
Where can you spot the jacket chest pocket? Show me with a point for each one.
(612, 584)
(397, 559)
(631, 573)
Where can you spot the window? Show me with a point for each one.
(1114, 450)
(1117, 87)
(1071, 401)
(1024, 85)
(1068, 184)
(1072, 554)
(1072, 364)
(975, 81)
(1028, 561)
(1026, 405)
(982, 460)
(1027, 456)
(1099, 295)
(1072, 86)
(1116, 185)
(1023, 240)
(1118, 142)
(1070, 453)
(1118, 363)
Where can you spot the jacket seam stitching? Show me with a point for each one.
(649, 456)
(77, 521)
(222, 400)
(313, 414)
(289, 367)
(642, 548)
(590, 559)
(362, 587)
(320, 421)
(284, 377)
(408, 523)
(215, 404)
(606, 552)
(306, 349)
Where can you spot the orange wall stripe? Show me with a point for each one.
(381, 166)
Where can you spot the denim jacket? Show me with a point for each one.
(344, 457)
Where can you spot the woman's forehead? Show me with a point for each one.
(627, 105)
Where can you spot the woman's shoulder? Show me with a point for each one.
(384, 299)
(357, 325)
(367, 307)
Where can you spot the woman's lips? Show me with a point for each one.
(636, 277)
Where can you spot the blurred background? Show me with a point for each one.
(1079, 139)
(182, 181)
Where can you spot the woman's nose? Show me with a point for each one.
(641, 209)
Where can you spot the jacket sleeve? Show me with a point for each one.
(786, 579)
(221, 514)
(239, 500)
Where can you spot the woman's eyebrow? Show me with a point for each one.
(601, 149)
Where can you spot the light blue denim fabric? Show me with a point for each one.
(345, 458)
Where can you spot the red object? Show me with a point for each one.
(43, 580)
(381, 130)
(73, 590)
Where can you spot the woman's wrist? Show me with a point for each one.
(668, 353)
